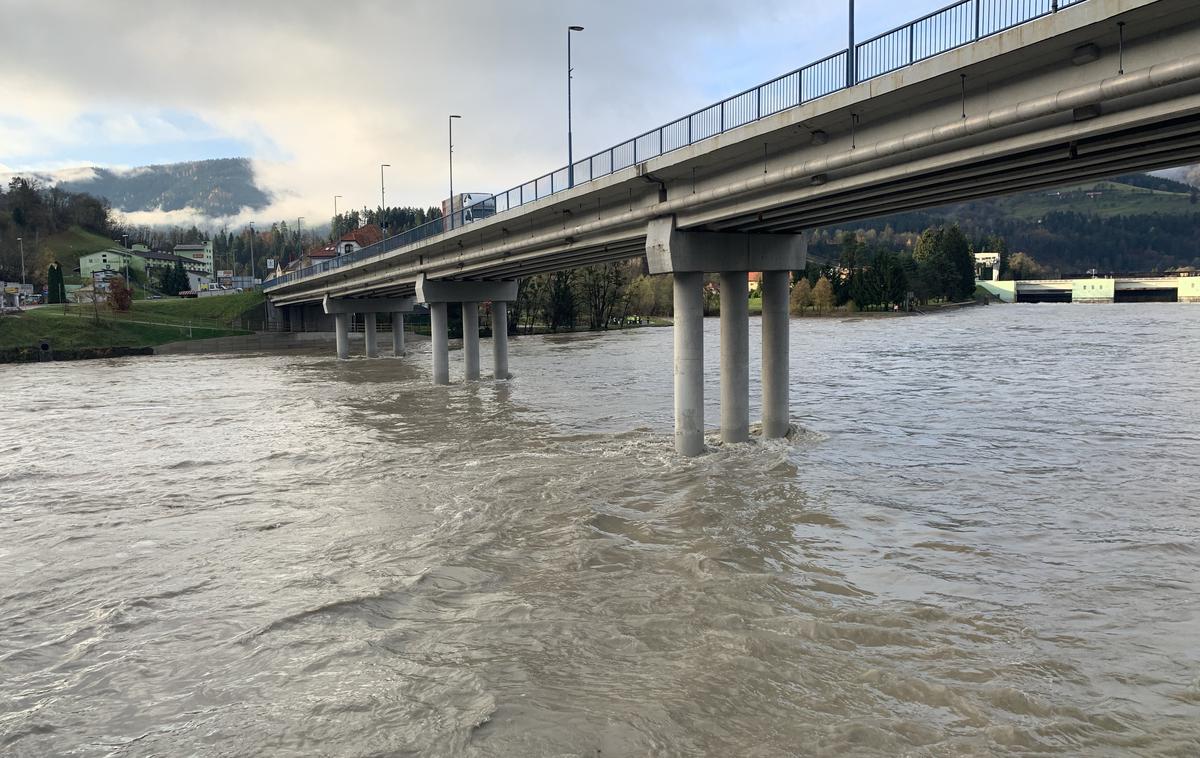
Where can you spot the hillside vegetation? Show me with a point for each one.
(67, 247)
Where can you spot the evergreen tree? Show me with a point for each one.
(56, 290)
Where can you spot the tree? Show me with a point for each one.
(174, 279)
(56, 290)
(801, 298)
(120, 297)
(1023, 266)
(822, 296)
(600, 287)
(561, 307)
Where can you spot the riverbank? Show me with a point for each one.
(76, 332)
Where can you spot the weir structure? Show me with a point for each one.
(984, 97)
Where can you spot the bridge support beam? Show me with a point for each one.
(437, 293)
(776, 394)
(735, 357)
(441, 343)
(500, 340)
(370, 337)
(397, 334)
(470, 329)
(688, 255)
(341, 326)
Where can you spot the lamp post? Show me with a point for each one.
(251, 255)
(21, 245)
(450, 123)
(382, 199)
(299, 236)
(335, 199)
(570, 147)
(851, 54)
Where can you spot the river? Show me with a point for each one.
(983, 540)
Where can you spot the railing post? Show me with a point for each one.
(912, 46)
(758, 107)
(978, 14)
(689, 130)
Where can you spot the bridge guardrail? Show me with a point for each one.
(958, 24)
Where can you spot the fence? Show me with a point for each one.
(951, 27)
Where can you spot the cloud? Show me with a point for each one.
(320, 93)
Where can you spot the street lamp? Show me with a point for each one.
(22, 246)
(252, 255)
(570, 147)
(300, 236)
(382, 198)
(851, 54)
(450, 123)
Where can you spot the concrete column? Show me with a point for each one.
(470, 326)
(398, 334)
(341, 325)
(500, 339)
(295, 318)
(441, 343)
(777, 417)
(735, 357)
(689, 363)
(370, 336)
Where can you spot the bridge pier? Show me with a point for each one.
(397, 334)
(470, 329)
(438, 293)
(439, 331)
(370, 337)
(343, 310)
(500, 340)
(341, 326)
(735, 356)
(776, 412)
(295, 318)
(688, 255)
(689, 362)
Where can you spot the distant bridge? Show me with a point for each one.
(984, 97)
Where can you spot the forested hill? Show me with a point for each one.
(1136, 223)
(216, 188)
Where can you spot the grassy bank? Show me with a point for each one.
(76, 330)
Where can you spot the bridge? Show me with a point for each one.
(984, 97)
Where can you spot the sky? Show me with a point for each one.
(318, 94)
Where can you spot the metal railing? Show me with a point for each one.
(951, 27)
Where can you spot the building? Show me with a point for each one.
(155, 261)
(358, 239)
(113, 259)
(202, 252)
